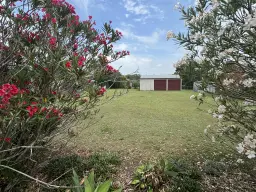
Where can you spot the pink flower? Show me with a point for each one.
(32, 110)
(54, 92)
(53, 42)
(47, 16)
(90, 17)
(33, 103)
(7, 139)
(54, 20)
(43, 109)
(75, 46)
(101, 91)
(68, 64)
(7, 91)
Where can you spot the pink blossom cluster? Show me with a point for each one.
(109, 68)
(7, 91)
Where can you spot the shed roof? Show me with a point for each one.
(160, 77)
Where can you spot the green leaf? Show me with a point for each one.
(76, 181)
(87, 186)
(135, 181)
(172, 173)
(104, 187)
(91, 180)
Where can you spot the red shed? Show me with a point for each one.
(160, 83)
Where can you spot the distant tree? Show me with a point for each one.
(133, 76)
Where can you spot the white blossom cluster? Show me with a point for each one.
(226, 46)
(248, 146)
(170, 35)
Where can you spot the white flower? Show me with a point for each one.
(220, 116)
(217, 99)
(250, 154)
(205, 131)
(192, 97)
(218, 72)
(248, 137)
(240, 161)
(177, 6)
(248, 82)
(215, 115)
(200, 95)
(170, 35)
(221, 109)
(240, 148)
(213, 139)
(227, 82)
(210, 111)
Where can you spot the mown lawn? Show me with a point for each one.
(144, 125)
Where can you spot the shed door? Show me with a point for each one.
(174, 84)
(160, 84)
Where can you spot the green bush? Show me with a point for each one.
(214, 168)
(136, 84)
(89, 184)
(166, 175)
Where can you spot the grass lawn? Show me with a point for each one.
(143, 125)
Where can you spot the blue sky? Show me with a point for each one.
(144, 24)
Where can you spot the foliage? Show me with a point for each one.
(136, 84)
(133, 76)
(50, 67)
(214, 168)
(64, 164)
(103, 164)
(220, 39)
(188, 71)
(166, 175)
(90, 185)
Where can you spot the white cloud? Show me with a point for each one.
(132, 63)
(86, 4)
(121, 47)
(144, 11)
(159, 65)
(127, 25)
(126, 15)
(150, 39)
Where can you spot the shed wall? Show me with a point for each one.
(147, 84)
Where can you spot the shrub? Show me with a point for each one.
(166, 175)
(50, 67)
(89, 184)
(214, 168)
(220, 39)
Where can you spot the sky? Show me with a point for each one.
(144, 24)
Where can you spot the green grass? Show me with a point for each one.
(145, 125)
